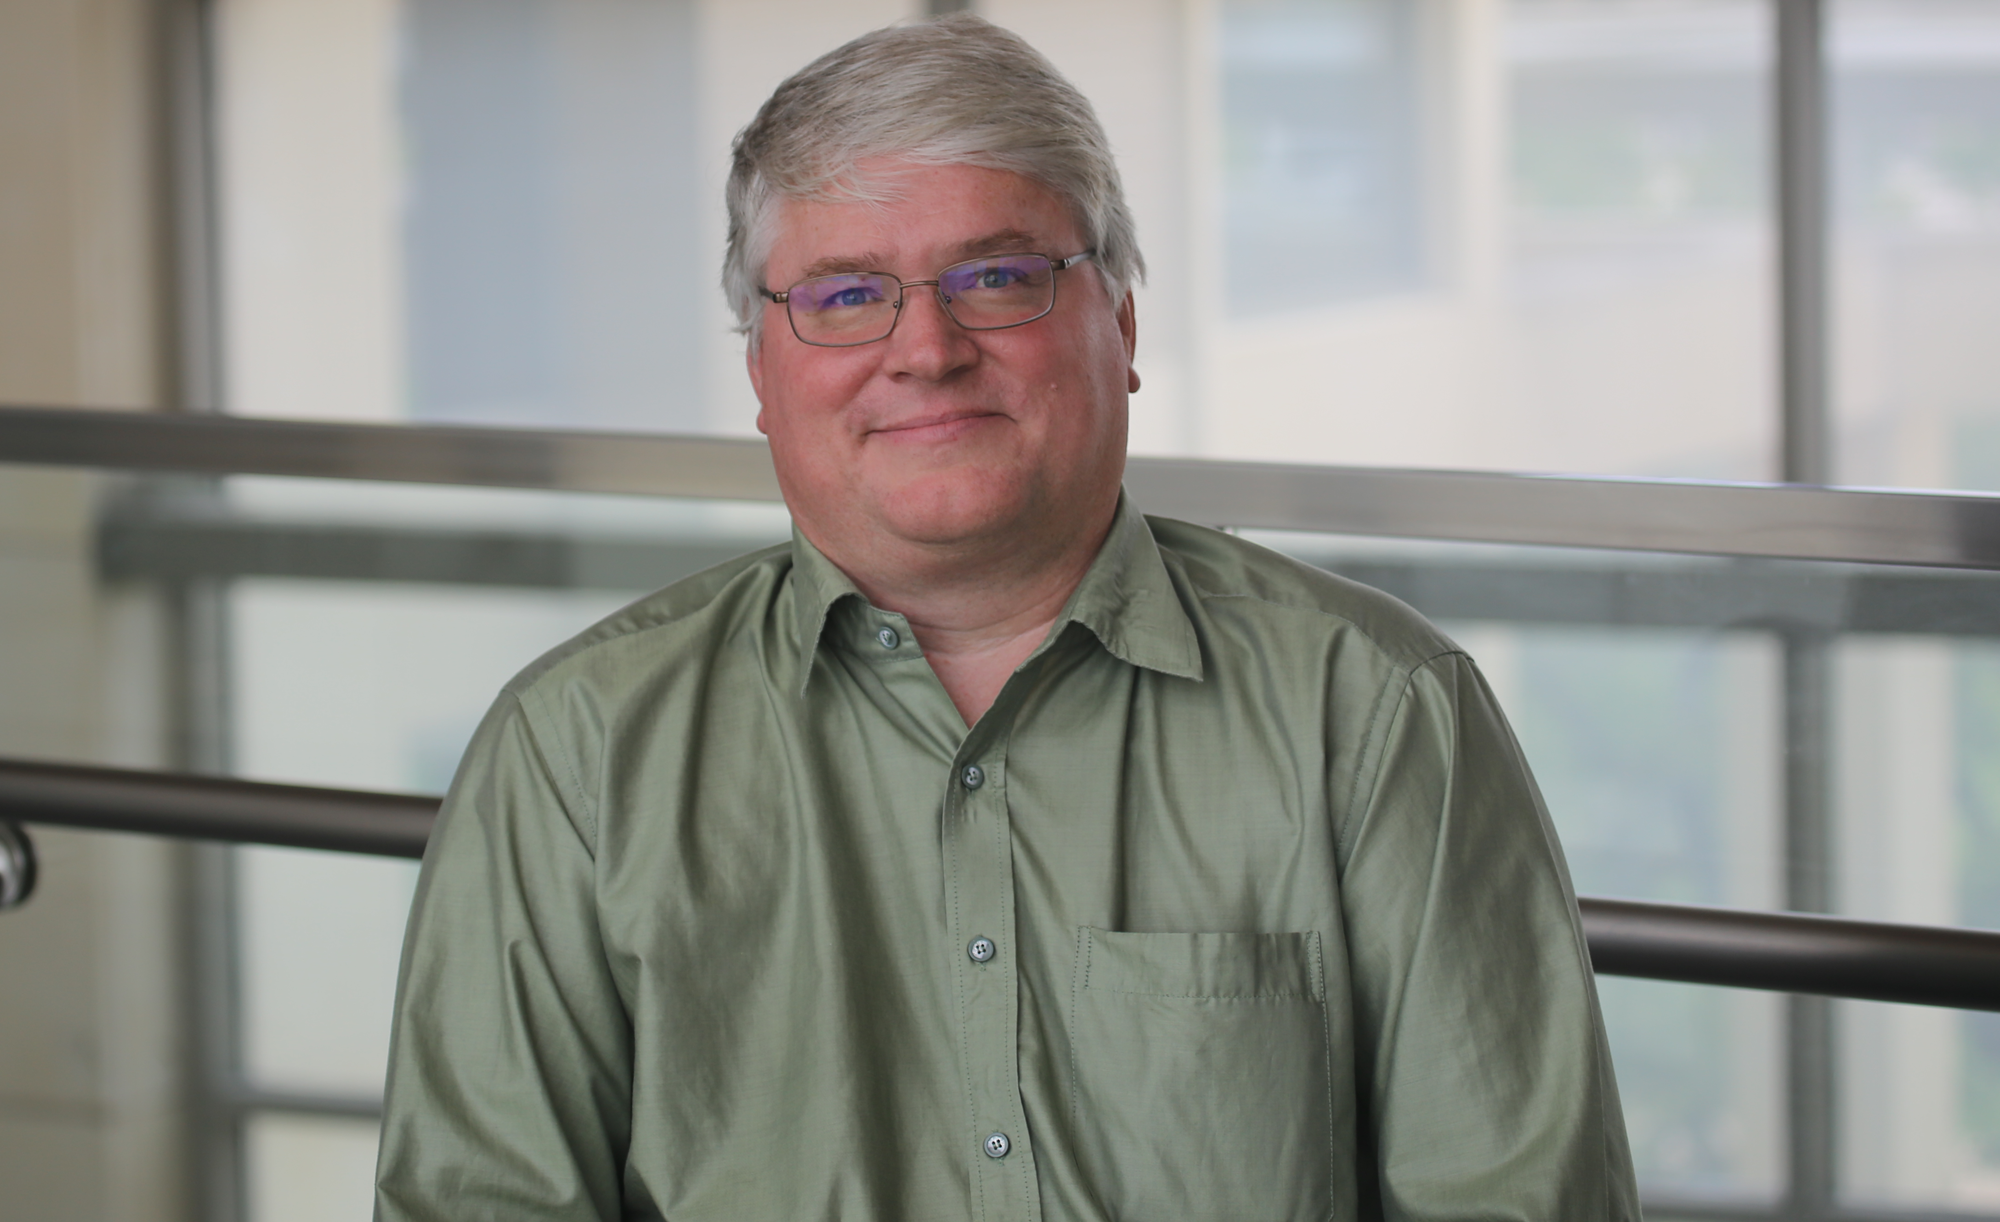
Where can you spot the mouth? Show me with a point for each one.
(936, 427)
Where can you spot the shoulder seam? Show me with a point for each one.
(1371, 743)
(593, 637)
(552, 749)
(1418, 664)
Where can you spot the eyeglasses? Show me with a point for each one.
(988, 294)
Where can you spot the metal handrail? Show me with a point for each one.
(215, 808)
(1780, 951)
(1960, 530)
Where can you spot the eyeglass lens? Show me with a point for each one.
(979, 294)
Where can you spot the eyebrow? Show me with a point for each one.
(834, 265)
(1000, 241)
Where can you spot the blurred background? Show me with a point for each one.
(1514, 235)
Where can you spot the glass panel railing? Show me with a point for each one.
(1919, 1130)
(357, 630)
(304, 1168)
(1675, 742)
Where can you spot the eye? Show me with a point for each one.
(843, 293)
(1005, 276)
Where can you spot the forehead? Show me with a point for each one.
(912, 216)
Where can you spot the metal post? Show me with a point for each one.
(187, 344)
(1812, 1139)
(200, 610)
(1808, 782)
(1802, 197)
(184, 162)
(1806, 457)
(191, 345)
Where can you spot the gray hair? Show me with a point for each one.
(952, 90)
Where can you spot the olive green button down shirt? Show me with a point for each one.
(1238, 904)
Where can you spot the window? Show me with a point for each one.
(1499, 235)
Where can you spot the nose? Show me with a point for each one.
(926, 343)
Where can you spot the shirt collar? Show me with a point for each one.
(817, 584)
(1126, 599)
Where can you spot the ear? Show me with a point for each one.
(1128, 327)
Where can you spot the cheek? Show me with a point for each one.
(1100, 364)
(798, 391)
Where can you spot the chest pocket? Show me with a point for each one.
(1199, 1081)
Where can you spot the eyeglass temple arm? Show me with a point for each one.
(780, 298)
(1063, 265)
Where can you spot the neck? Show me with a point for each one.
(977, 610)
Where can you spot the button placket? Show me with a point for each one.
(978, 842)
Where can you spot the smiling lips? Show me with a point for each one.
(940, 426)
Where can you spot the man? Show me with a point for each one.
(991, 851)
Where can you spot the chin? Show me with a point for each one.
(948, 509)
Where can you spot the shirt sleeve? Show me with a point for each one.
(511, 1056)
(1481, 1053)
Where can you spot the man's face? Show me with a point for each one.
(938, 435)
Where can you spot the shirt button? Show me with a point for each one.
(997, 1146)
(981, 949)
(888, 637)
(974, 776)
